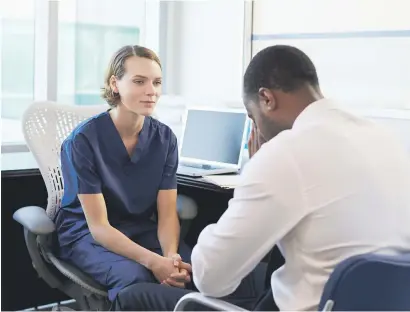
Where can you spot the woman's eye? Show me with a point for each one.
(138, 81)
(158, 83)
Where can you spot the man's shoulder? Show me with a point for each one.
(286, 152)
(279, 145)
(273, 155)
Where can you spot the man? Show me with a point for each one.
(322, 184)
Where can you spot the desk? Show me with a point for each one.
(202, 184)
(212, 202)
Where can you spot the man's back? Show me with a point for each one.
(354, 179)
(333, 186)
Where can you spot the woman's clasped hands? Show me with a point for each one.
(172, 271)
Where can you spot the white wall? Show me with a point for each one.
(202, 51)
(212, 49)
(206, 49)
(300, 16)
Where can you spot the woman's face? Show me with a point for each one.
(141, 85)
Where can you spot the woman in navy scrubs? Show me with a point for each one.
(119, 170)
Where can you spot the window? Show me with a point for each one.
(89, 33)
(59, 50)
(16, 65)
(360, 48)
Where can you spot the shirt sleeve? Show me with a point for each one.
(83, 164)
(266, 206)
(169, 176)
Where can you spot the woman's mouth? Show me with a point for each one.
(148, 104)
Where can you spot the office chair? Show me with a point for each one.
(45, 126)
(369, 282)
(366, 282)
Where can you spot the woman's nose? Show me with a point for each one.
(150, 89)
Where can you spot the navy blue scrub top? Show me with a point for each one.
(94, 160)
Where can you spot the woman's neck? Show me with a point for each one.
(127, 123)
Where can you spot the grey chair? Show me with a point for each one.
(45, 126)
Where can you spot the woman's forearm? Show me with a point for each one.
(115, 241)
(168, 235)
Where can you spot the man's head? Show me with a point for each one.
(279, 83)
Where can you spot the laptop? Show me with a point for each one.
(212, 142)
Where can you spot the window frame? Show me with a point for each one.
(247, 33)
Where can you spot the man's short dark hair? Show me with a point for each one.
(279, 67)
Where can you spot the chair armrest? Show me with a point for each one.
(212, 303)
(187, 207)
(35, 220)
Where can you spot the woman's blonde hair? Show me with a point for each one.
(116, 68)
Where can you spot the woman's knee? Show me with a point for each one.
(128, 272)
(125, 273)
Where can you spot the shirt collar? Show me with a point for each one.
(317, 111)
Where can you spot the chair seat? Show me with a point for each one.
(77, 276)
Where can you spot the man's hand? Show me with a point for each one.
(181, 276)
(255, 141)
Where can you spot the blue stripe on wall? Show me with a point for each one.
(335, 35)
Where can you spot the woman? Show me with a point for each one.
(119, 169)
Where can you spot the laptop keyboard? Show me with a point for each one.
(201, 167)
(194, 169)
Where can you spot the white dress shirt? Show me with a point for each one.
(333, 186)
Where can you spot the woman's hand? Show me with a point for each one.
(182, 274)
(163, 268)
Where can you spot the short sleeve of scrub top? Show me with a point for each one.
(169, 177)
(89, 182)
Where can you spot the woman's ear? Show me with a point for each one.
(266, 99)
(113, 84)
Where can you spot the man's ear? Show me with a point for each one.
(266, 99)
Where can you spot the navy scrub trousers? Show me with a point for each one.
(94, 160)
(251, 294)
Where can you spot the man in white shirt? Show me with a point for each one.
(325, 185)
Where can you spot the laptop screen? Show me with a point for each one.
(215, 136)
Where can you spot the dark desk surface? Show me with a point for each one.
(182, 180)
(201, 184)
(23, 164)
(19, 173)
